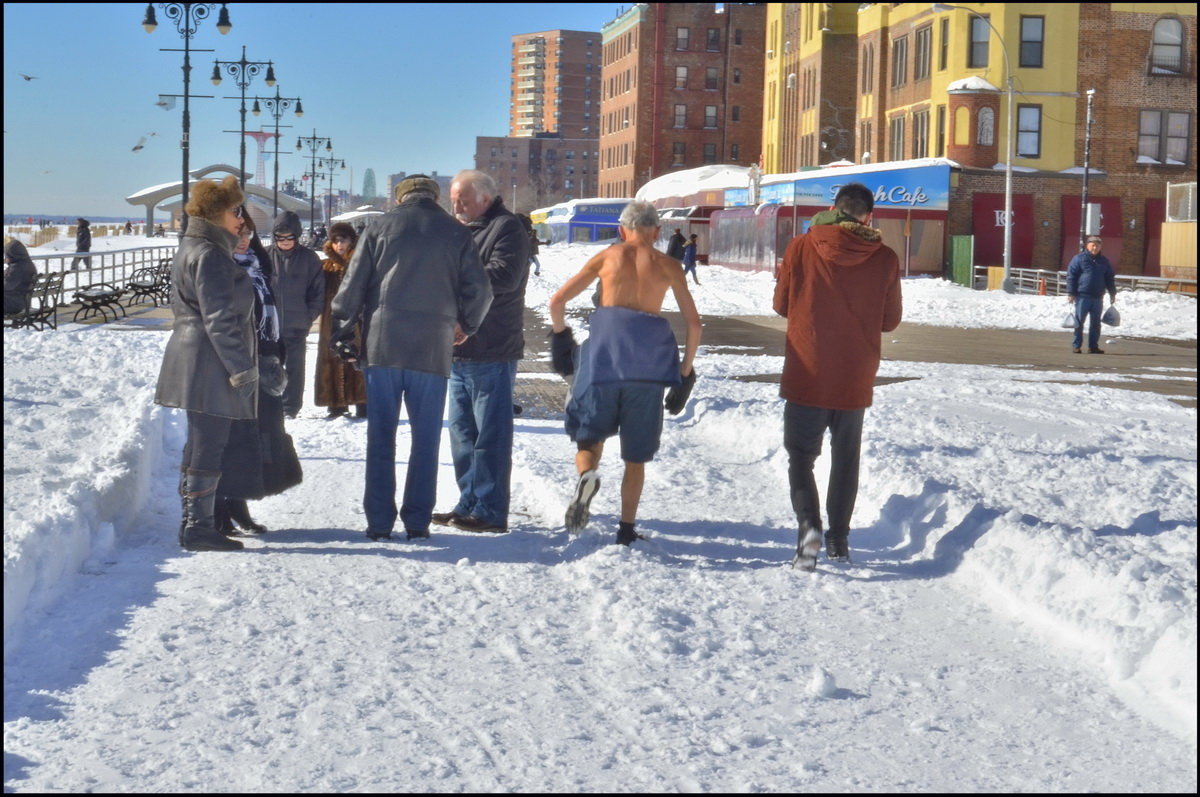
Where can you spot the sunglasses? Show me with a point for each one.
(285, 237)
(341, 240)
(237, 212)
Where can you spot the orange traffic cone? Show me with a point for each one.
(1042, 286)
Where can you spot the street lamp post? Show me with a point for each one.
(187, 17)
(276, 106)
(330, 163)
(242, 72)
(1010, 145)
(313, 143)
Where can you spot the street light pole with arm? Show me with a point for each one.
(242, 72)
(313, 143)
(276, 106)
(187, 17)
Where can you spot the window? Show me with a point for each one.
(710, 116)
(923, 41)
(737, 77)
(713, 42)
(986, 136)
(735, 153)
(1033, 37)
(1029, 131)
(868, 69)
(678, 153)
(977, 56)
(899, 61)
(944, 43)
(710, 153)
(940, 152)
(681, 77)
(681, 38)
(681, 116)
(921, 134)
(737, 36)
(710, 77)
(897, 131)
(1164, 137)
(735, 113)
(1166, 57)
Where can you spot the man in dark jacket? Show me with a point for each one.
(1089, 275)
(20, 275)
(676, 244)
(484, 373)
(83, 242)
(839, 288)
(416, 286)
(299, 297)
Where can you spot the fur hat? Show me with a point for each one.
(343, 230)
(417, 182)
(210, 199)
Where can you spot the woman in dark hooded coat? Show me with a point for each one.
(20, 275)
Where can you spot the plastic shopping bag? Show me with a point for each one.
(1068, 321)
(1111, 317)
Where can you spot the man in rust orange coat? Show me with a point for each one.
(839, 288)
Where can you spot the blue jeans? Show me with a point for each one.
(481, 437)
(424, 397)
(1088, 307)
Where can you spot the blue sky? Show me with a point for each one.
(398, 87)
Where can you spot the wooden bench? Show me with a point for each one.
(151, 282)
(42, 308)
(100, 299)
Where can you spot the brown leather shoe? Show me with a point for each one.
(472, 523)
(1095, 351)
(445, 518)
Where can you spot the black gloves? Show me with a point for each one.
(562, 352)
(677, 397)
(346, 351)
(271, 376)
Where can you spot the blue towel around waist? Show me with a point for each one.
(627, 345)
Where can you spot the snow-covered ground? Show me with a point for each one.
(1020, 614)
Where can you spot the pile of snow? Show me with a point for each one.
(1024, 549)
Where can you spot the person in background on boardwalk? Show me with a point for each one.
(300, 297)
(675, 245)
(83, 242)
(484, 373)
(689, 258)
(839, 288)
(337, 384)
(260, 459)
(629, 359)
(416, 288)
(210, 365)
(1089, 275)
(20, 277)
(534, 246)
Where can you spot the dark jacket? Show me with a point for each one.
(213, 345)
(839, 288)
(20, 276)
(83, 236)
(504, 249)
(415, 273)
(299, 279)
(1091, 276)
(675, 246)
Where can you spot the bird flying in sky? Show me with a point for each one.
(28, 77)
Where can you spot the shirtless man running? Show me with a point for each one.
(629, 359)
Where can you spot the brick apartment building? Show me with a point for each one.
(934, 84)
(682, 87)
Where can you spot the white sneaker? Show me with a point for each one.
(807, 550)
(577, 510)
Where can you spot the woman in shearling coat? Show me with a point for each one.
(337, 384)
(210, 366)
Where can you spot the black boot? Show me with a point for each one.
(237, 509)
(626, 535)
(199, 503)
(837, 546)
(182, 492)
(221, 519)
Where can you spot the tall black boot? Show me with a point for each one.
(199, 499)
(183, 508)
(221, 518)
(240, 514)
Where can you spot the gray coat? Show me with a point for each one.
(299, 280)
(416, 272)
(213, 348)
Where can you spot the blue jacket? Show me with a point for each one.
(1091, 276)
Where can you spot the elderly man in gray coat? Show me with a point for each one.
(417, 287)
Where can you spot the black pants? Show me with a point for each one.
(207, 437)
(803, 431)
(293, 395)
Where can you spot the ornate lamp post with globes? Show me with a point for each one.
(187, 17)
(276, 106)
(314, 143)
(242, 72)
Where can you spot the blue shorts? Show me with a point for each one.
(634, 410)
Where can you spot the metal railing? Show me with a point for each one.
(1032, 280)
(112, 267)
